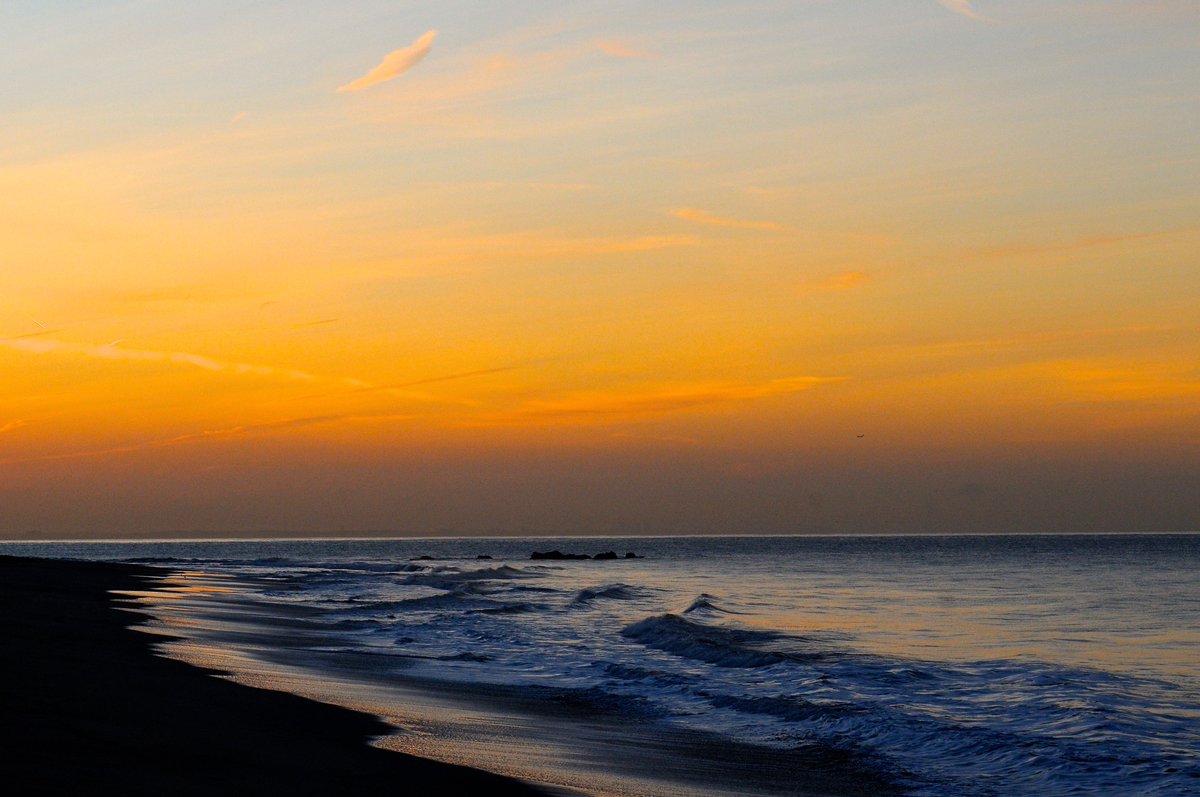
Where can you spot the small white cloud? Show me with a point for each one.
(395, 63)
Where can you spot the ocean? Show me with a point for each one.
(927, 666)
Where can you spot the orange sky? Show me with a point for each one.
(600, 269)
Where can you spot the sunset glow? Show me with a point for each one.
(435, 266)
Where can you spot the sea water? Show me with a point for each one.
(935, 665)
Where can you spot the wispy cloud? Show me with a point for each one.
(471, 96)
(704, 217)
(111, 351)
(395, 63)
(266, 427)
(322, 322)
(964, 7)
(345, 385)
(986, 353)
(430, 380)
(542, 243)
(453, 101)
(598, 407)
(1123, 382)
(11, 425)
(845, 281)
(1081, 244)
(403, 389)
(619, 49)
(40, 333)
(283, 424)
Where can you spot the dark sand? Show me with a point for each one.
(89, 709)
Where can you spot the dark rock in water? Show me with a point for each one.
(557, 555)
(422, 558)
(483, 556)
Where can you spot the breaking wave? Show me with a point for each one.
(719, 645)
(618, 592)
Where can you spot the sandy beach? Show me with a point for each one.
(88, 708)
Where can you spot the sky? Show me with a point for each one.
(837, 266)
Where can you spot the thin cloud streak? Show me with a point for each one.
(112, 352)
(845, 282)
(1030, 340)
(964, 7)
(284, 424)
(394, 64)
(358, 387)
(1092, 242)
(11, 425)
(1122, 382)
(591, 407)
(40, 333)
(619, 49)
(446, 378)
(540, 244)
(704, 217)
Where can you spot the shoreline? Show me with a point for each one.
(553, 736)
(89, 707)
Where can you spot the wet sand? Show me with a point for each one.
(88, 708)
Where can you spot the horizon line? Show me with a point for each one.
(365, 537)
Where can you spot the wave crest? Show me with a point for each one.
(618, 592)
(718, 645)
